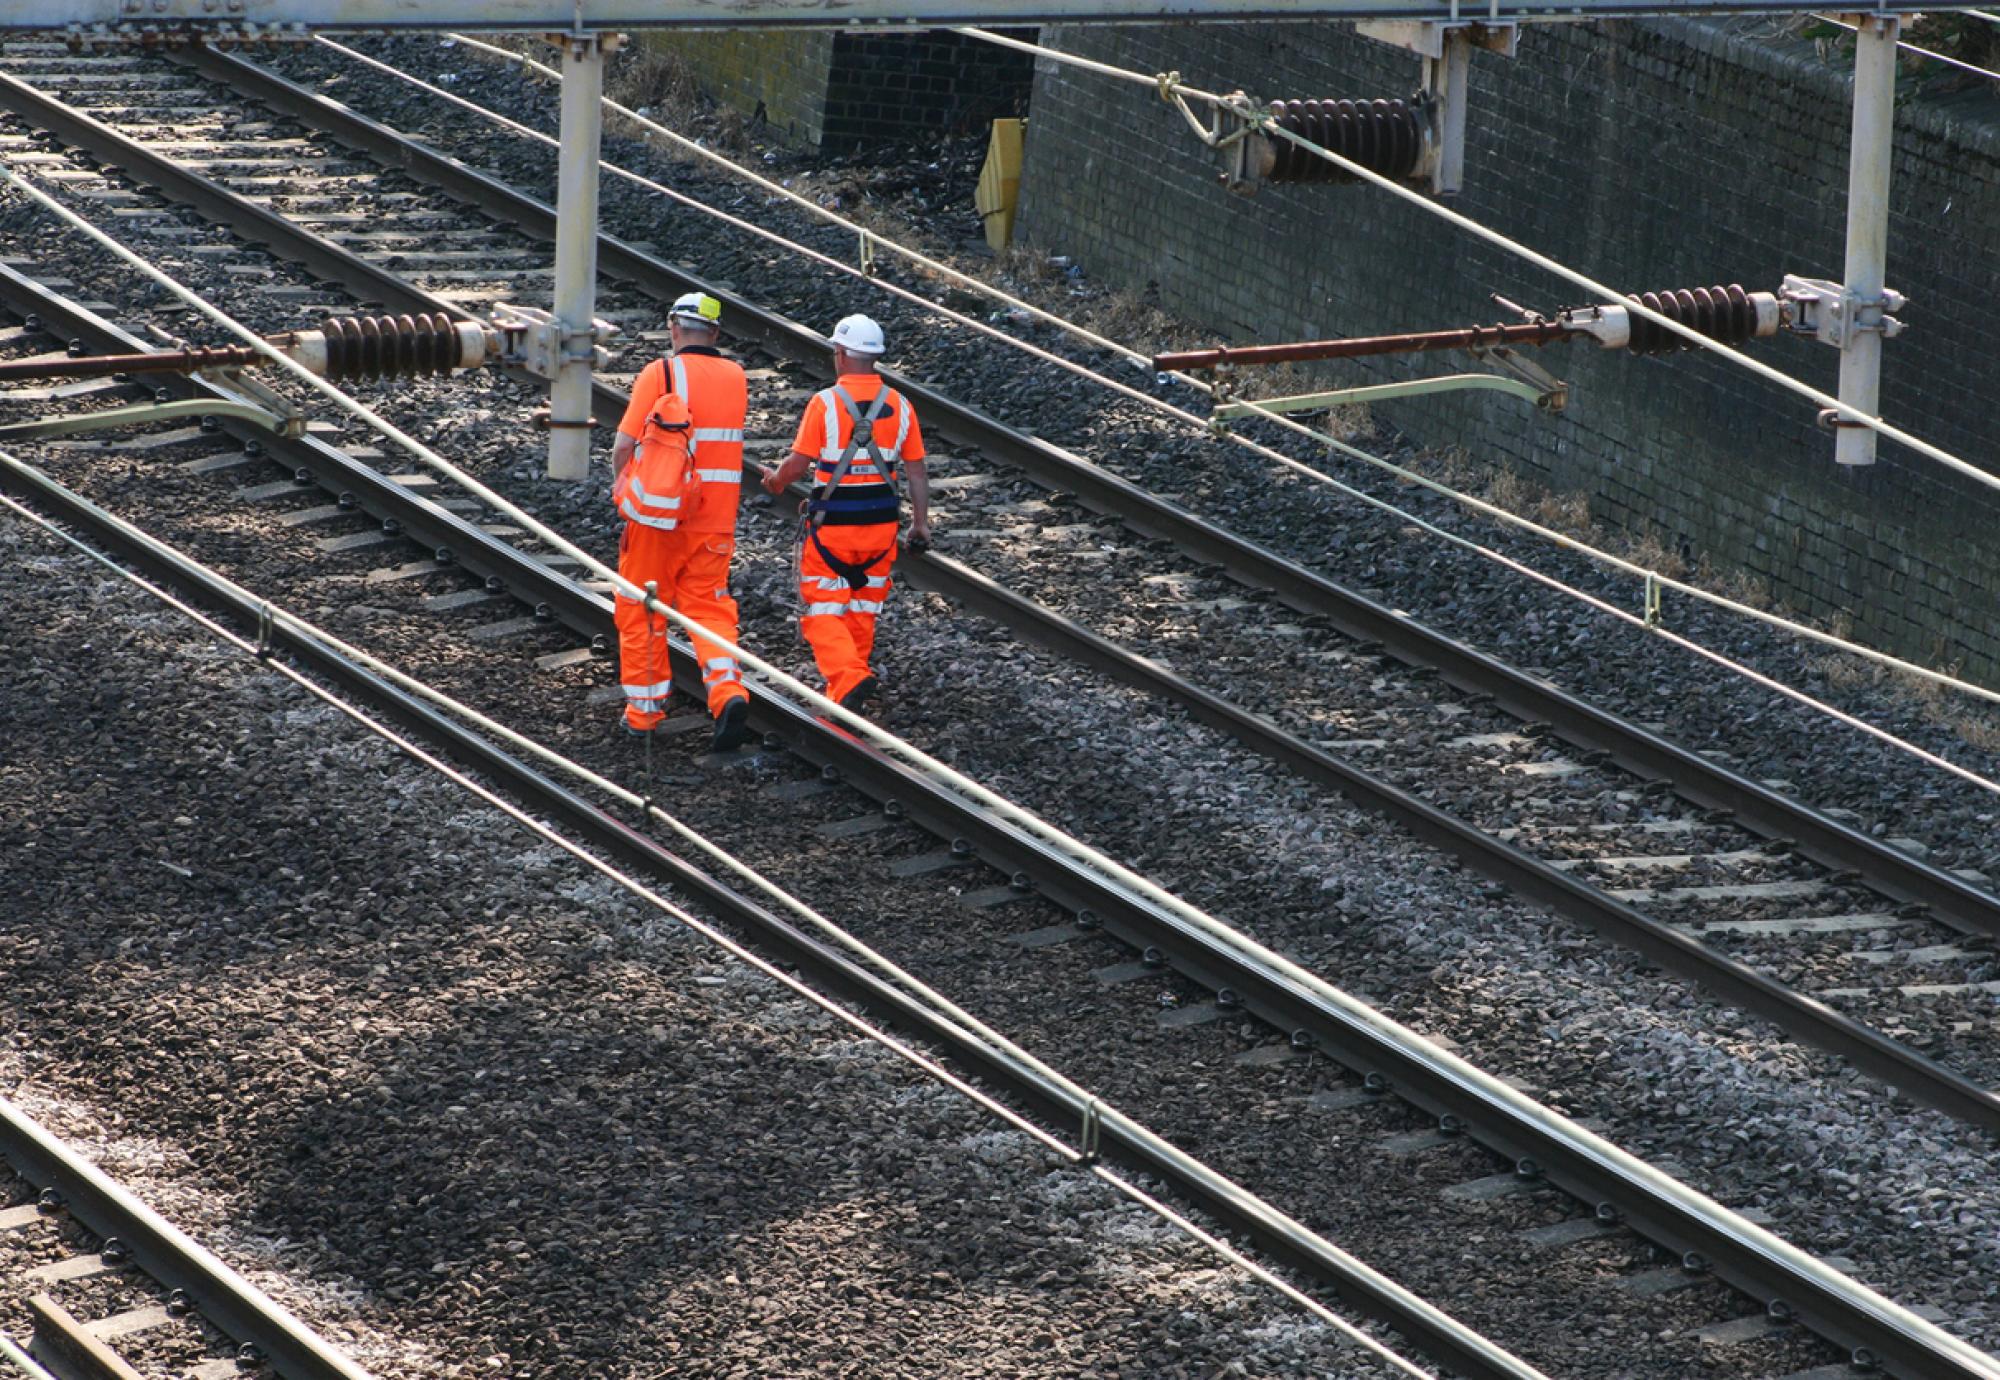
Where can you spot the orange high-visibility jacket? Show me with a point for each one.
(866, 494)
(718, 398)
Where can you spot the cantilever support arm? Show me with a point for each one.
(141, 415)
(1385, 392)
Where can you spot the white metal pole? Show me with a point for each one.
(576, 255)
(1456, 73)
(1867, 229)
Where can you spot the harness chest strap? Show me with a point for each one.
(877, 479)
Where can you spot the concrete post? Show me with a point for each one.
(1867, 229)
(576, 254)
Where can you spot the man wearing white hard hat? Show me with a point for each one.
(858, 438)
(682, 541)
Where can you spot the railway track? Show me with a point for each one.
(1001, 499)
(1724, 879)
(94, 1285)
(1413, 1151)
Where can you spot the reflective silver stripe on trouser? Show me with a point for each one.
(820, 610)
(649, 699)
(834, 584)
(721, 476)
(720, 669)
(718, 433)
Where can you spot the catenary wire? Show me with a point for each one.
(1447, 1064)
(1931, 53)
(1798, 696)
(1399, 472)
(1169, 85)
(1479, 505)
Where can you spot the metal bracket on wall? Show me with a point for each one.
(1446, 49)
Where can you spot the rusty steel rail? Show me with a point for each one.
(1885, 868)
(1540, 1143)
(237, 1308)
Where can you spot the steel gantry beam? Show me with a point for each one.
(108, 19)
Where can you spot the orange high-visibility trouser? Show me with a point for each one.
(839, 621)
(691, 571)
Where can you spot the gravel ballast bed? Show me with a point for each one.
(469, 1108)
(977, 702)
(1329, 1172)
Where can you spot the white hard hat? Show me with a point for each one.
(697, 309)
(859, 335)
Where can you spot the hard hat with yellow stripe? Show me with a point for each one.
(697, 309)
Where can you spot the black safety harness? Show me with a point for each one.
(824, 498)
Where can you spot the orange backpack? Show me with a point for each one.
(660, 484)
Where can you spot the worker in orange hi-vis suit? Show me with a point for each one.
(855, 436)
(683, 548)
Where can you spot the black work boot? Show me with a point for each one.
(732, 726)
(860, 695)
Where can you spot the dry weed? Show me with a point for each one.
(647, 74)
(1648, 549)
(1566, 513)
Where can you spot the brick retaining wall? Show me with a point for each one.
(1651, 154)
(837, 91)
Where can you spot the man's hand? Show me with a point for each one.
(919, 537)
(773, 482)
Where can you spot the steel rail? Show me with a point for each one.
(1457, 1346)
(1655, 1205)
(1884, 867)
(234, 1305)
(1895, 1063)
(1813, 1022)
(1541, 1143)
(258, 224)
(1868, 1049)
